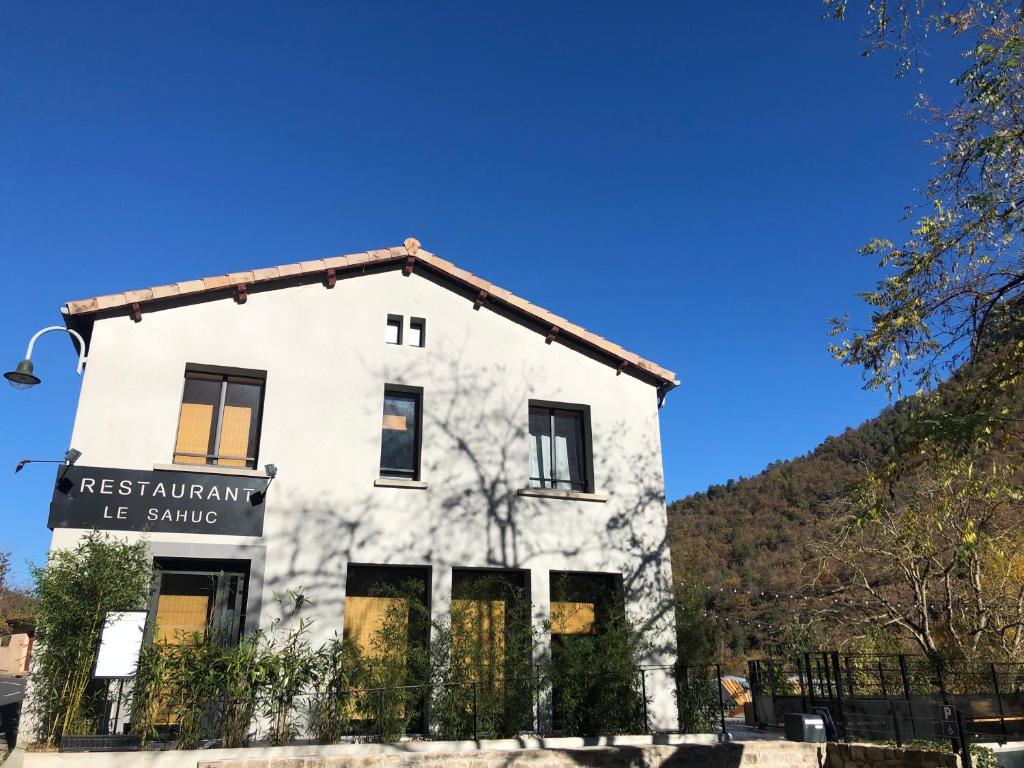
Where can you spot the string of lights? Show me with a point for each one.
(829, 599)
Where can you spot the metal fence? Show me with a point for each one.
(897, 698)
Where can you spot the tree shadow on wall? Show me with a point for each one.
(475, 458)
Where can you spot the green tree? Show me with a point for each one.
(950, 295)
(75, 591)
(935, 555)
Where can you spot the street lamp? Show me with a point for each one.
(23, 378)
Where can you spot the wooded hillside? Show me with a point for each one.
(756, 534)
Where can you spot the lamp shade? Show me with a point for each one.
(22, 376)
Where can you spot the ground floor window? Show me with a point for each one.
(193, 597)
(492, 647)
(590, 642)
(373, 592)
(583, 603)
(387, 621)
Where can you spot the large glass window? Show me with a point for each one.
(558, 448)
(484, 604)
(583, 603)
(193, 597)
(380, 622)
(219, 421)
(190, 599)
(492, 645)
(584, 607)
(400, 434)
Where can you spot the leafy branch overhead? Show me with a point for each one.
(952, 290)
(904, 533)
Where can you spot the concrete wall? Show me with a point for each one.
(873, 756)
(327, 366)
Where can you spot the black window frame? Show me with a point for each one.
(362, 579)
(399, 473)
(586, 468)
(606, 589)
(224, 374)
(419, 323)
(228, 599)
(398, 321)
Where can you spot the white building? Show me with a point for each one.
(511, 439)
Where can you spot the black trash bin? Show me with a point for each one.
(803, 727)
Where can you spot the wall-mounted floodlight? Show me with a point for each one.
(70, 457)
(22, 376)
(260, 496)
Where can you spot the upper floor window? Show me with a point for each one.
(220, 419)
(393, 330)
(417, 332)
(400, 433)
(560, 447)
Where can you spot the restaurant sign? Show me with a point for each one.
(161, 502)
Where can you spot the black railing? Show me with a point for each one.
(894, 698)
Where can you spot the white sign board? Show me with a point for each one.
(120, 644)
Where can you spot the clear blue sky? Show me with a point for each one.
(691, 180)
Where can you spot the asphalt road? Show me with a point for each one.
(12, 690)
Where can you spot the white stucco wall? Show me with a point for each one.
(327, 365)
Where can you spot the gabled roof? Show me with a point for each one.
(409, 257)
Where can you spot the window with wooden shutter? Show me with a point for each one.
(219, 421)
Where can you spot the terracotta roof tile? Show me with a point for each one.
(80, 307)
(213, 283)
(314, 266)
(164, 291)
(190, 286)
(336, 262)
(289, 270)
(240, 277)
(260, 275)
(106, 302)
(131, 297)
(355, 259)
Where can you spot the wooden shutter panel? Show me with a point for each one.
(178, 617)
(234, 435)
(569, 618)
(480, 629)
(364, 617)
(193, 432)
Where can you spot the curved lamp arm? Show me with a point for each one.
(75, 334)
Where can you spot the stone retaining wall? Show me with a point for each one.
(871, 756)
(761, 754)
(623, 752)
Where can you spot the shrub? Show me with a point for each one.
(75, 591)
(339, 672)
(483, 681)
(698, 698)
(397, 667)
(596, 680)
(201, 687)
(289, 668)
